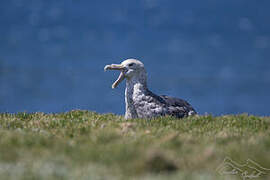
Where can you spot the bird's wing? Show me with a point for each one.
(178, 107)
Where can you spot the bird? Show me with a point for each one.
(140, 101)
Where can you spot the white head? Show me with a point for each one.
(130, 69)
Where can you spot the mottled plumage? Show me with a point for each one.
(141, 102)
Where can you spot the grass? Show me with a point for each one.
(87, 145)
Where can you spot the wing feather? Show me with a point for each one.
(178, 107)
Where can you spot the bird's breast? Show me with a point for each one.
(143, 104)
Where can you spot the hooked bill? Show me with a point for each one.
(121, 77)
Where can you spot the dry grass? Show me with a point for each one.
(87, 145)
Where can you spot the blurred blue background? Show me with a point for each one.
(215, 54)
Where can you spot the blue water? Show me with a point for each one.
(215, 54)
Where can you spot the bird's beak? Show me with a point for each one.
(121, 76)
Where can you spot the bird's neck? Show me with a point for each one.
(136, 84)
(135, 87)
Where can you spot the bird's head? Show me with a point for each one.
(129, 69)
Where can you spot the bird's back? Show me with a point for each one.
(172, 106)
(178, 107)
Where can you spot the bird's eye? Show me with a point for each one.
(131, 64)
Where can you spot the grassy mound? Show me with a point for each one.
(87, 145)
